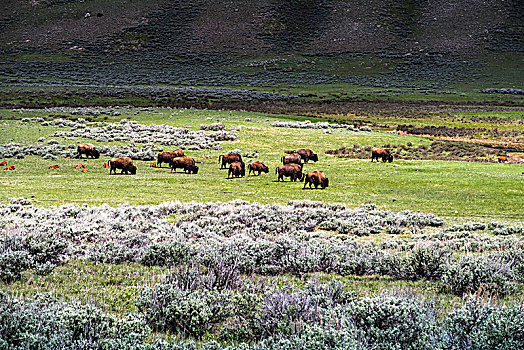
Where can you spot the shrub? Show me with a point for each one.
(390, 322)
(165, 254)
(489, 272)
(479, 325)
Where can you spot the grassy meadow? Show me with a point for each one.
(464, 190)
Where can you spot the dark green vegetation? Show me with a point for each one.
(324, 49)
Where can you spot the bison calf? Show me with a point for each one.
(316, 178)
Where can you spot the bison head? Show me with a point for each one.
(265, 169)
(390, 158)
(326, 182)
(314, 157)
(132, 169)
(194, 169)
(96, 154)
(301, 176)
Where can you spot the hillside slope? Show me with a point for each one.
(265, 43)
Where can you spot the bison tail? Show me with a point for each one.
(219, 157)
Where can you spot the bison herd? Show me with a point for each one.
(292, 167)
(292, 164)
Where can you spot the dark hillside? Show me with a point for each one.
(401, 44)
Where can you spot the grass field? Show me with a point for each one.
(462, 190)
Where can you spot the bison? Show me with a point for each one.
(229, 158)
(124, 163)
(293, 171)
(165, 157)
(237, 169)
(502, 159)
(89, 150)
(259, 167)
(382, 153)
(306, 154)
(3, 163)
(56, 166)
(292, 158)
(186, 163)
(316, 178)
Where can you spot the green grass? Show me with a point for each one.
(459, 190)
(116, 287)
(113, 287)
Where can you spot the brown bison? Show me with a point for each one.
(259, 167)
(306, 154)
(89, 150)
(237, 169)
(382, 153)
(229, 158)
(292, 170)
(124, 163)
(316, 178)
(165, 157)
(186, 163)
(292, 158)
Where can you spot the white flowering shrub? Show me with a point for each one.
(50, 151)
(139, 133)
(300, 237)
(213, 127)
(309, 125)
